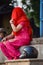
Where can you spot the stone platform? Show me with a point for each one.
(25, 62)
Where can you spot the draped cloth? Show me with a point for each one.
(22, 37)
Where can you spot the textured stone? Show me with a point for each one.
(25, 62)
(2, 63)
(37, 40)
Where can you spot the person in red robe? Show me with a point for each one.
(21, 34)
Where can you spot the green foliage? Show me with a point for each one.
(24, 1)
(35, 7)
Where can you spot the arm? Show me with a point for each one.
(8, 37)
(15, 28)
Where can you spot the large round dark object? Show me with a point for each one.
(29, 52)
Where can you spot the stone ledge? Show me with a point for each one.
(2, 63)
(24, 62)
(37, 40)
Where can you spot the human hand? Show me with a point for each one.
(4, 39)
(11, 21)
(11, 40)
(4, 42)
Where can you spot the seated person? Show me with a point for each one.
(21, 34)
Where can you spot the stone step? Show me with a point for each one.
(37, 40)
(25, 62)
(2, 63)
